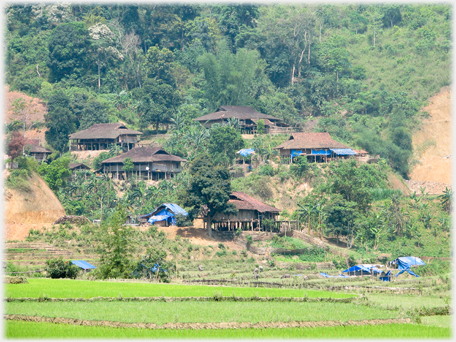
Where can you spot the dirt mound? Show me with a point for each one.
(432, 143)
(433, 188)
(35, 208)
(36, 112)
(197, 236)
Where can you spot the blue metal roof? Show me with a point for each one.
(83, 264)
(343, 151)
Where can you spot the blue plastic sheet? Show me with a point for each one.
(83, 264)
(295, 153)
(362, 270)
(331, 276)
(343, 151)
(246, 152)
(321, 153)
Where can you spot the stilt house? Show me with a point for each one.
(317, 147)
(250, 216)
(101, 136)
(247, 118)
(148, 163)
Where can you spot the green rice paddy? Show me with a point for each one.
(199, 312)
(16, 329)
(66, 288)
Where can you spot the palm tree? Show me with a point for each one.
(445, 199)
(306, 211)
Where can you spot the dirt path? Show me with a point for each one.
(197, 326)
(432, 144)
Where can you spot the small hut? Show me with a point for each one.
(164, 215)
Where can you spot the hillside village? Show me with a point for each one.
(180, 144)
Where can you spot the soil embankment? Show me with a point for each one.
(34, 208)
(432, 146)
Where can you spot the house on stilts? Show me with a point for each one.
(251, 215)
(148, 163)
(247, 118)
(316, 147)
(102, 136)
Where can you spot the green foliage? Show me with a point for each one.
(154, 265)
(57, 268)
(117, 247)
(209, 185)
(224, 142)
(183, 221)
(260, 126)
(56, 173)
(128, 165)
(300, 167)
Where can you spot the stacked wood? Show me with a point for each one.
(73, 219)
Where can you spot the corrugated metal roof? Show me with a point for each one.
(83, 264)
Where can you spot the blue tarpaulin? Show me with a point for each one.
(343, 151)
(295, 153)
(246, 152)
(167, 211)
(331, 276)
(386, 277)
(83, 264)
(321, 153)
(362, 269)
(405, 264)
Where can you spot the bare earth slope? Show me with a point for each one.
(32, 209)
(432, 145)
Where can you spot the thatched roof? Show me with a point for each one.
(238, 112)
(144, 154)
(76, 165)
(242, 201)
(104, 131)
(310, 140)
(37, 149)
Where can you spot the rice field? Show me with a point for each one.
(200, 312)
(17, 329)
(66, 288)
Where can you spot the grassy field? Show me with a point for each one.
(438, 321)
(49, 330)
(200, 312)
(65, 288)
(406, 301)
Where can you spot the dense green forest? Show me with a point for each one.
(361, 72)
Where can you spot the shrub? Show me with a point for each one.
(266, 170)
(300, 167)
(57, 268)
(183, 221)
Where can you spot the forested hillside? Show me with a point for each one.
(363, 70)
(360, 72)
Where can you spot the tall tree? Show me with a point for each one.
(60, 121)
(223, 143)
(209, 186)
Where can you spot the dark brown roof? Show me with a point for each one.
(246, 202)
(144, 154)
(104, 131)
(238, 112)
(75, 165)
(37, 149)
(310, 140)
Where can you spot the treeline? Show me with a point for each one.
(363, 70)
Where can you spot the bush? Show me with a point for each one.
(183, 221)
(57, 268)
(300, 167)
(266, 170)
